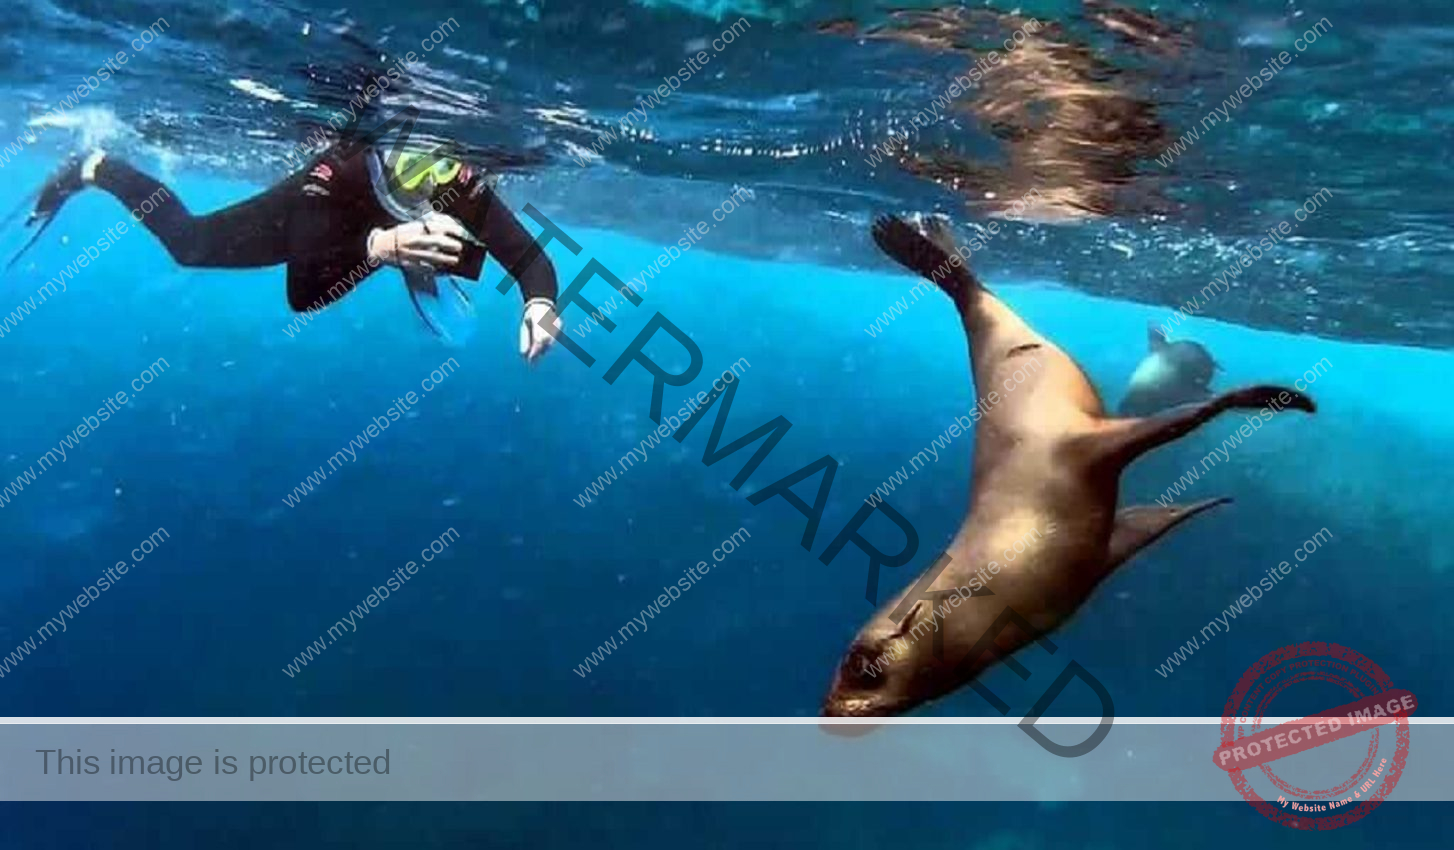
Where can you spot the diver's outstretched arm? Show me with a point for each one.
(515, 249)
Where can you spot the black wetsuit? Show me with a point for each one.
(318, 222)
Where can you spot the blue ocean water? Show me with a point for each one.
(500, 623)
(240, 411)
(502, 453)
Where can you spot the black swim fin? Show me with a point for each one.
(25, 206)
(48, 202)
(28, 243)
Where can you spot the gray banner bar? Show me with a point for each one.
(714, 761)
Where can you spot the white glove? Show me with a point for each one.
(534, 338)
(434, 241)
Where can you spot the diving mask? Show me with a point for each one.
(411, 173)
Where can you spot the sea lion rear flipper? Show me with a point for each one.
(1140, 526)
(922, 255)
(1124, 440)
(1155, 337)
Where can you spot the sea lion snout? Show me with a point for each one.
(849, 704)
(861, 685)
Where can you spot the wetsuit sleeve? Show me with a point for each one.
(510, 243)
(327, 237)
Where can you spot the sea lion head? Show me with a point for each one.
(870, 682)
(890, 669)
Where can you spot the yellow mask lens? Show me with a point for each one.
(441, 172)
(446, 170)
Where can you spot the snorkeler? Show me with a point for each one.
(334, 223)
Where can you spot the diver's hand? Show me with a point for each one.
(434, 241)
(534, 338)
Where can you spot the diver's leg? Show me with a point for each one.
(250, 234)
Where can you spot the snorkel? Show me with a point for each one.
(406, 182)
(408, 185)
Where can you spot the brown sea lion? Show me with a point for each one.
(1047, 467)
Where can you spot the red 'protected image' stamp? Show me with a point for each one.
(1372, 709)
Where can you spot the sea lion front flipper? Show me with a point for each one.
(1140, 526)
(1123, 440)
(906, 623)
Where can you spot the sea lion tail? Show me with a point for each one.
(918, 253)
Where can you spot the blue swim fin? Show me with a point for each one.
(447, 312)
